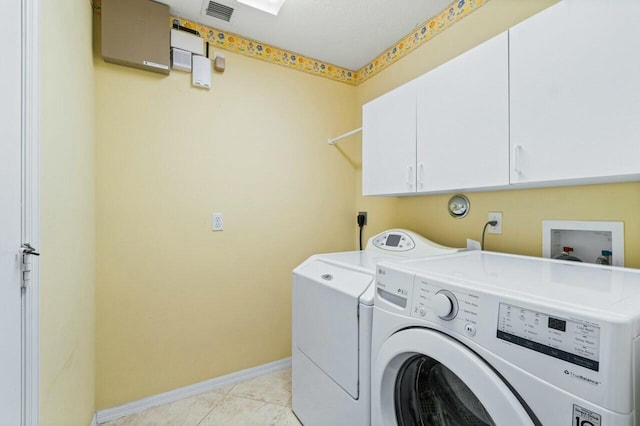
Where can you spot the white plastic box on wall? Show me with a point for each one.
(180, 60)
(201, 71)
(187, 41)
(587, 238)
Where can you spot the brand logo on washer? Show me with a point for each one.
(584, 417)
(382, 271)
(583, 378)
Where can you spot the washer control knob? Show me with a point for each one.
(445, 305)
(422, 311)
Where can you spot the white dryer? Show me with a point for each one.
(480, 338)
(332, 313)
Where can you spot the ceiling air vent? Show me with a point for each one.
(220, 11)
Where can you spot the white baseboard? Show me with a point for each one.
(188, 391)
(94, 421)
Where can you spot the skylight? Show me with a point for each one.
(269, 6)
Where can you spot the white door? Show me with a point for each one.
(11, 369)
(389, 143)
(463, 120)
(575, 92)
(421, 376)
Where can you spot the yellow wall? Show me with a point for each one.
(67, 327)
(176, 302)
(523, 210)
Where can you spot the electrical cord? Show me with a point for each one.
(492, 223)
(361, 218)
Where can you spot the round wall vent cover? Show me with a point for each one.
(459, 206)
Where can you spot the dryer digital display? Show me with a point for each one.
(393, 240)
(572, 341)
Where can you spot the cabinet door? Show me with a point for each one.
(389, 143)
(575, 92)
(463, 121)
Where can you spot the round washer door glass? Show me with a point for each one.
(428, 393)
(421, 377)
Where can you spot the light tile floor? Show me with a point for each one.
(261, 401)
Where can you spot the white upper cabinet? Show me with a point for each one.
(389, 143)
(575, 93)
(554, 102)
(463, 121)
(447, 130)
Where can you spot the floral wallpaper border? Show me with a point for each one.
(423, 33)
(255, 49)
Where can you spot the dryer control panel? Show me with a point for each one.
(407, 244)
(394, 241)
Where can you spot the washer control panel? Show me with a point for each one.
(393, 286)
(456, 309)
(573, 341)
(394, 241)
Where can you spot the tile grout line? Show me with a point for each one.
(259, 400)
(216, 404)
(229, 395)
(225, 399)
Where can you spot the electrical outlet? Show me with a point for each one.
(365, 217)
(498, 228)
(216, 222)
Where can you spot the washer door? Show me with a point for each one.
(424, 378)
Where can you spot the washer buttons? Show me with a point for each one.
(422, 311)
(470, 329)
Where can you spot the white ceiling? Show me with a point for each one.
(347, 33)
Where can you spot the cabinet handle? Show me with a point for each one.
(516, 159)
(409, 175)
(421, 175)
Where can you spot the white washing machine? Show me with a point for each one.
(332, 314)
(480, 338)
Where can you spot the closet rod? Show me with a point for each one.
(333, 141)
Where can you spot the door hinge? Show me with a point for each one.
(27, 251)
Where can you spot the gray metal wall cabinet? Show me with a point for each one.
(136, 33)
